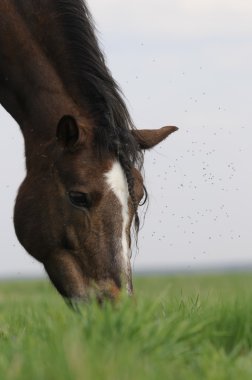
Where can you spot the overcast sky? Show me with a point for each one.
(186, 63)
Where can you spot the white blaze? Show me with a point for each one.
(117, 182)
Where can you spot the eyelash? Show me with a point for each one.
(80, 200)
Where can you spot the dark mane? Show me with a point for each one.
(99, 90)
(97, 87)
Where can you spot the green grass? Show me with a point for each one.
(194, 327)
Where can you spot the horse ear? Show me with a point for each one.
(148, 138)
(69, 133)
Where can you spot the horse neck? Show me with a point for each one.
(31, 89)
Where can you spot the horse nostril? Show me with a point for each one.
(107, 290)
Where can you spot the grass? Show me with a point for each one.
(191, 327)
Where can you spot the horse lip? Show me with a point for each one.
(101, 291)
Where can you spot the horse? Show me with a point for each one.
(76, 206)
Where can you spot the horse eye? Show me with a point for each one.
(78, 199)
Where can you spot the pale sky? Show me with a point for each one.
(186, 63)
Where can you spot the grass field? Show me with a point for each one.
(190, 327)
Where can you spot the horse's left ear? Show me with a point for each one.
(148, 138)
(69, 133)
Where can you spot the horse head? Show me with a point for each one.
(75, 209)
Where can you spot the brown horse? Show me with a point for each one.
(75, 208)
